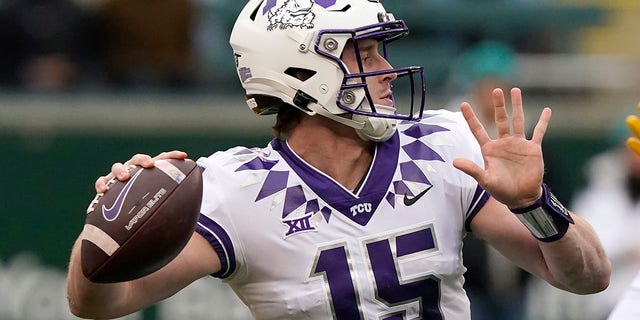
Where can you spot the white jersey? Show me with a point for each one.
(295, 244)
(627, 308)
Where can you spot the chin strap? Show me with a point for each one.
(368, 128)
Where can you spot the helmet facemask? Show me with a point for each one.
(354, 96)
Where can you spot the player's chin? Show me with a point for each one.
(387, 102)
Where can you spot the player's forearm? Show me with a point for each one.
(577, 262)
(87, 299)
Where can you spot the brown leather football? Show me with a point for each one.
(140, 225)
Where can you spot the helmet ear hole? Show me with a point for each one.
(263, 104)
(300, 73)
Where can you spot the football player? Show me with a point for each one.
(357, 209)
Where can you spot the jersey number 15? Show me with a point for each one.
(334, 264)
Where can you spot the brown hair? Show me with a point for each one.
(287, 118)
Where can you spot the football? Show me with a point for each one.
(140, 225)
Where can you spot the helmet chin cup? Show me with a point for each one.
(368, 128)
(375, 129)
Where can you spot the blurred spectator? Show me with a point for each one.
(149, 42)
(495, 286)
(45, 44)
(483, 67)
(610, 201)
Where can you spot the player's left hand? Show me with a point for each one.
(513, 165)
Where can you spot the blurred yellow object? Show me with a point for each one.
(633, 142)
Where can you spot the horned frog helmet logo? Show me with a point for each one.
(293, 13)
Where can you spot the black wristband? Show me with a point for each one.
(547, 219)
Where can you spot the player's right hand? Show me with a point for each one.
(120, 170)
(633, 142)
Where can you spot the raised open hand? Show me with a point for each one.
(513, 165)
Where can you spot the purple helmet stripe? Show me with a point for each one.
(325, 3)
(270, 4)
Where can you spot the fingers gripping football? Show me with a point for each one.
(121, 171)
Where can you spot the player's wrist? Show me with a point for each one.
(530, 201)
(547, 219)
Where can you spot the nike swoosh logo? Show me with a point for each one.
(410, 201)
(112, 213)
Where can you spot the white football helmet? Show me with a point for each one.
(274, 39)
